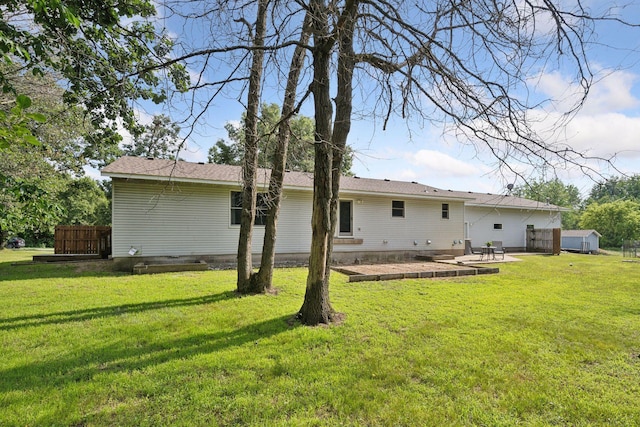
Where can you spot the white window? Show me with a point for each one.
(236, 208)
(445, 211)
(397, 208)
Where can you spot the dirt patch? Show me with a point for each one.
(95, 266)
(406, 267)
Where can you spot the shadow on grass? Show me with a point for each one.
(92, 361)
(25, 270)
(61, 317)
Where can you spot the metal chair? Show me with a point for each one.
(477, 251)
(499, 250)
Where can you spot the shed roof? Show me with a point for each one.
(579, 233)
(209, 173)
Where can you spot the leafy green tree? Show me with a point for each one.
(35, 175)
(616, 188)
(552, 191)
(557, 193)
(227, 153)
(15, 123)
(615, 221)
(60, 139)
(300, 155)
(84, 202)
(104, 52)
(29, 196)
(159, 139)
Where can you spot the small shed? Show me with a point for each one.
(583, 241)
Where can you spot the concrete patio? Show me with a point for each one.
(476, 260)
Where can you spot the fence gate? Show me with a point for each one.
(546, 240)
(630, 248)
(83, 239)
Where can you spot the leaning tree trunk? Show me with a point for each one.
(250, 163)
(344, 104)
(262, 280)
(316, 307)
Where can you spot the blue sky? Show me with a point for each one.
(607, 125)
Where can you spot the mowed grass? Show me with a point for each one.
(548, 341)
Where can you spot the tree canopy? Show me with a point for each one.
(616, 221)
(103, 55)
(160, 139)
(38, 190)
(300, 154)
(557, 193)
(29, 189)
(60, 138)
(616, 188)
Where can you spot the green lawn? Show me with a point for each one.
(548, 341)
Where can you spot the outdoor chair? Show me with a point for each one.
(477, 251)
(499, 250)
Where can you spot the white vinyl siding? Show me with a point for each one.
(514, 224)
(164, 219)
(380, 231)
(179, 219)
(182, 219)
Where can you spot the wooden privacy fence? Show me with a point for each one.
(545, 240)
(83, 239)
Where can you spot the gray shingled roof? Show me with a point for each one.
(143, 168)
(579, 233)
(508, 201)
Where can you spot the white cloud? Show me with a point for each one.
(605, 135)
(608, 124)
(612, 91)
(432, 163)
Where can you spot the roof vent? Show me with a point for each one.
(201, 163)
(356, 177)
(387, 180)
(435, 190)
(450, 190)
(490, 194)
(470, 192)
(413, 182)
(149, 158)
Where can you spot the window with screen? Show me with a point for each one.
(236, 208)
(445, 211)
(397, 208)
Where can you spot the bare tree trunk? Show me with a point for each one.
(250, 163)
(344, 104)
(262, 280)
(330, 146)
(316, 307)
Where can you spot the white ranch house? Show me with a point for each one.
(165, 210)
